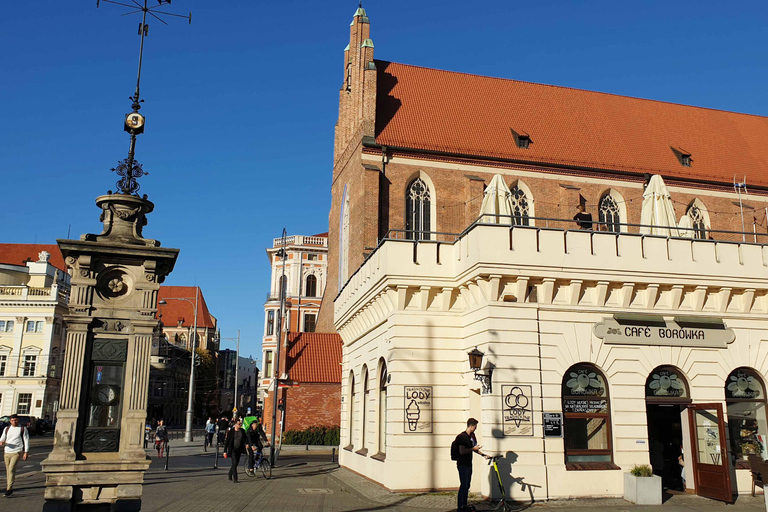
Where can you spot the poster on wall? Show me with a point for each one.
(516, 410)
(553, 424)
(418, 410)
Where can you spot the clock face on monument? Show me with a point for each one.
(134, 122)
(106, 394)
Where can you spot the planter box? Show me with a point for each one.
(642, 490)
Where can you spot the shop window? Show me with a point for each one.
(745, 405)
(520, 207)
(382, 407)
(311, 286)
(417, 211)
(587, 428)
(25, 403)
(363, 410)
(351, 408)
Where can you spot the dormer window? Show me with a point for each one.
(685, 159)
(523, 141)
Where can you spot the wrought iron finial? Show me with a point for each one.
(129, 169)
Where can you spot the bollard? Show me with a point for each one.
(307, 446)
(333, 455)
(216, 460)
(167, 454)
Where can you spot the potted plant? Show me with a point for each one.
(641, 486)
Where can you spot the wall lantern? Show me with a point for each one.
(476, 364)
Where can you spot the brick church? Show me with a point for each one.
(417, 279)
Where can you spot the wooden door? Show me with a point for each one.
(710, 457)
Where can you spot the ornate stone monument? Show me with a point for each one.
(98, 456)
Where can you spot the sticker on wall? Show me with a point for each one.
(516, 410)
(418, 410)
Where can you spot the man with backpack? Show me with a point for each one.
(462, 449)
(16, 442)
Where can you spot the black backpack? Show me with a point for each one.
(455, 449)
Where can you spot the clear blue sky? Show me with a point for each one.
(241, 106)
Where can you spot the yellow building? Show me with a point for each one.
(34, 292)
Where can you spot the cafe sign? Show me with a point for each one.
(659, 331)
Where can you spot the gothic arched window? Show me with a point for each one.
(697, 221)
(520, 207)
(417, 210)
(311, 286)
(610, 219)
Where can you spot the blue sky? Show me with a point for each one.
(241, 106)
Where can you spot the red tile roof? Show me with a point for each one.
(434, 110)
(321, 235)
(19, 254)
(314, 357)
(181, 309)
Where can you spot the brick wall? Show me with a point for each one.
(306, 406)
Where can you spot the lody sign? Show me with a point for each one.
(418, 410)
(516, 410)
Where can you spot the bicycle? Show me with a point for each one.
(503, 502)
(262, 463)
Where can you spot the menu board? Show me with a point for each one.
(553, 424)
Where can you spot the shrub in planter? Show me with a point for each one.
(315, 435)
(641, 486)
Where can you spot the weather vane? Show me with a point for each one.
(129, 169)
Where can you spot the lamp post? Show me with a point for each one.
(190, 401)
(283, 254)
(237, 362)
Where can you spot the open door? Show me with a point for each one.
(710, 458)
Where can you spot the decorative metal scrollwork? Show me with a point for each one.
(129, 169)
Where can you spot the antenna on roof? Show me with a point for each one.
(737, 187)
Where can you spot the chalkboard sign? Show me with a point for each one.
(553, 424)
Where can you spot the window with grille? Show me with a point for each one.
(309, 322)
(30, 364)
(697, 221)
(610, 220)
(3, 363)
(417, 211)
(311, 286)
(25, 403)
(520, 207)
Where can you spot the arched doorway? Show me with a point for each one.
(666, 396)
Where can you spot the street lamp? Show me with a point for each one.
(237, 362)
(190, 401)
(476, 364)
(276, 380)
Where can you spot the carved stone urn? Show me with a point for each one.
(98, 460)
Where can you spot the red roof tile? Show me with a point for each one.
(19, 254)
(181, 309)
(314, 357)
(434, 110)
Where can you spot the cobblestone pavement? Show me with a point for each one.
(309, 481)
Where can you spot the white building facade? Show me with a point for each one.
(33, 300)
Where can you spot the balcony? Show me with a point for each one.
(29, 293)
(552, 263)
(314, 241)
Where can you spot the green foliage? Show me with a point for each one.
(642, 470)
(324, 436)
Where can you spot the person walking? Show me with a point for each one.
(161, 438)
(255, 435)
(462, 449)
(223, 428)
(210, 429)
(236, 444)
(15, 439)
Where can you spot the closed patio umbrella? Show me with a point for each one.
(497, 203)
(657, 214)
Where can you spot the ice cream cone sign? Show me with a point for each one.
(413, 412)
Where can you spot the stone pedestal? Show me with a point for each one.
(98, 457)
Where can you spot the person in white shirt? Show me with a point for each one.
(16, 442)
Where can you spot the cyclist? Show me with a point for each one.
(256, 435)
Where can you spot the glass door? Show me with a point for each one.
(710, 459)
